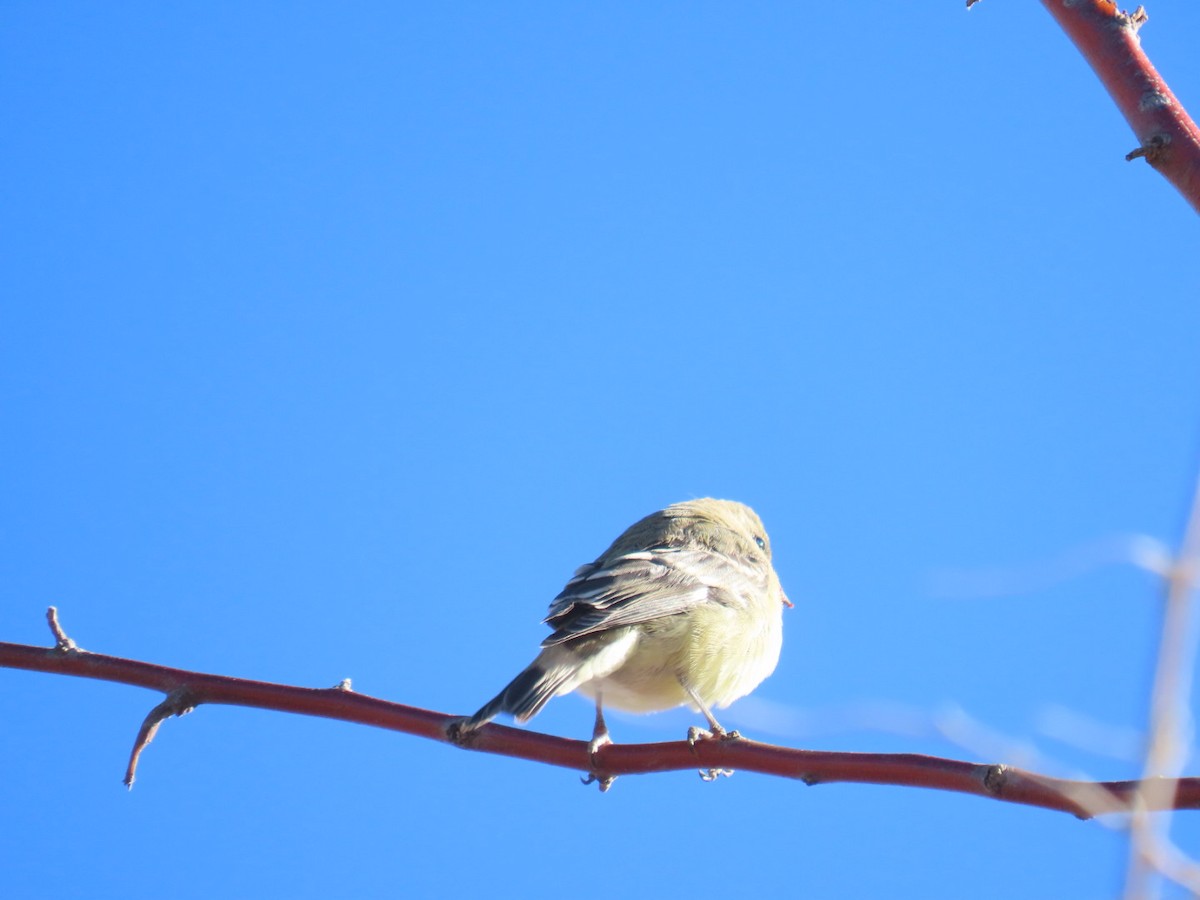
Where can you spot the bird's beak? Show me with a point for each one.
(786, 602)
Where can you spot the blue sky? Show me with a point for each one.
(334, 337)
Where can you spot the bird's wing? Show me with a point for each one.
(644, 585)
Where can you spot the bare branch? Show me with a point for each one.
(186, 689)
(1108, 39)
(1170, 730)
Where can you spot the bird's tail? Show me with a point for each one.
(524, 696)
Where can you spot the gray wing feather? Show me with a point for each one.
(645, 585)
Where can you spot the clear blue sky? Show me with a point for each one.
(334, 337)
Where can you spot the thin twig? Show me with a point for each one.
(1170, 719)
(61, 641)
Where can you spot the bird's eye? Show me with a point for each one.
(762, 545)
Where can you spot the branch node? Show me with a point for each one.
(460, 733)
(62, 643)
(177, 703)
(995, 778)
(1135, 20)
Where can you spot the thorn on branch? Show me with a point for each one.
(177, 703)
(62, 643)
(1151, 149)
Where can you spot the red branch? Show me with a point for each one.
(186, 690)
(1107, 38)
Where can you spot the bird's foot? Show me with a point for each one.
(600, 739)
(716, 733)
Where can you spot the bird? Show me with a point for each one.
(684, 608)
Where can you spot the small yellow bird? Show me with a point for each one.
(683, 608)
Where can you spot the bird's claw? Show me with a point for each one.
(714, 774)
(604, 782)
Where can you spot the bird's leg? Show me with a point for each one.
(600, 738)
(600, 735)
(714, 727)
(715, 731)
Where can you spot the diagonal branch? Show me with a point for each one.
(186, 690)
(1108, 39)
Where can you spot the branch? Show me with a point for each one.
(1170, 721)
(185, 690)
(1107, 38)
